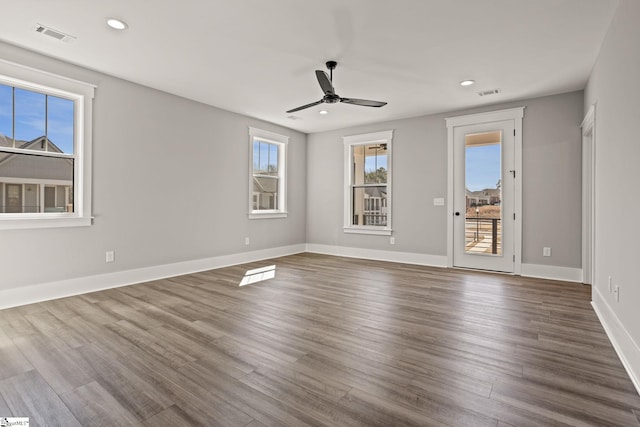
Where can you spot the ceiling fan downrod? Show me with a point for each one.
(331, 65)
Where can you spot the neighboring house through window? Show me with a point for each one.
(45, 148)
(267, 180)
(367, 197)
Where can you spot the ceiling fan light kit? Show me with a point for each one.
(330, 96)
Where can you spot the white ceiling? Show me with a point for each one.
(257, 57)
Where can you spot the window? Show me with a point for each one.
(45, 147)
(368, 183)
(267, 176)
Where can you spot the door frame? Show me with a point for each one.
(515, 114)
(588, 195)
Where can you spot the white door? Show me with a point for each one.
(484, 196)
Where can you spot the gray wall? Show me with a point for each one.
(170, 184)
(615, 87)
(551, 182)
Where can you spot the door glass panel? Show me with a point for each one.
(483, 177)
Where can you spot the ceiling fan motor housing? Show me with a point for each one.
(331, 98)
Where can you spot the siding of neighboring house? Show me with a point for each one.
(33, 183)
(489, 196)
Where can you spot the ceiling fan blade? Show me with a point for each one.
(306, 106)
(325, 83)
(363, 102)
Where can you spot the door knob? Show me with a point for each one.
(457, 213)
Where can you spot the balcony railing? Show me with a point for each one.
(483, 235)
(371, 219)
(34, 209)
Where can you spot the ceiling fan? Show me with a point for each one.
(330, 96)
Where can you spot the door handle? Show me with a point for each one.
(457, 214)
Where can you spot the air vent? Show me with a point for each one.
(489, 92)
(58, 35)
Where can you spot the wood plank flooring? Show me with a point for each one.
(329, 341)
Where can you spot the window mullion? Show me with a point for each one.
(46, 122)
(13, 116)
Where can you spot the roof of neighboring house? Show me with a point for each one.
(375, 192)
(30, 166)
(266, 185)
(37, 144)
(487, 192)
(5, 141)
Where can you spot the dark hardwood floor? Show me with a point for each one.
(329, 341)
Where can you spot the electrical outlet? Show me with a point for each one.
(610, 285)
(392, 240)
(616, 293)
(546, 251)
(246, 241)
(110, 256)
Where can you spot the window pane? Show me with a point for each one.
(273, 159)
(6, 116)
(28, 175)
(369, 205)
(265, 193)
(256, 156)
(29, 119)
(264, 157)
(60, 124)
(370, 164)
(483, 223)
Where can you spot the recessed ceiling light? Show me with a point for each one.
(117, 24)
(323, 112)
(467, 82)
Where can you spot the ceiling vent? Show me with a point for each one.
(58, 35)
(489, 92)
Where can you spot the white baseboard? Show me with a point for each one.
(64, 288)
(379, 255)
(552, 272)
(628, 350)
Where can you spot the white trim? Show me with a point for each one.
(379, 255)
(268, 215)
(553, 272)
(64, 288)
(282, 142)
(588, 195)
(366, 230)
(487, 117)
(589, 118)
(517, 115)
(368, 138)
(625, 346)
(349, 142)
(15, 67)
(82, 95)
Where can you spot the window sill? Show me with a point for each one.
(373, 231)
(268, 215)
(15, 223)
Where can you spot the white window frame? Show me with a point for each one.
(82, 94)
(383, 137)
(282, 142)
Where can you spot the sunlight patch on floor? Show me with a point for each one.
(258, 275)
